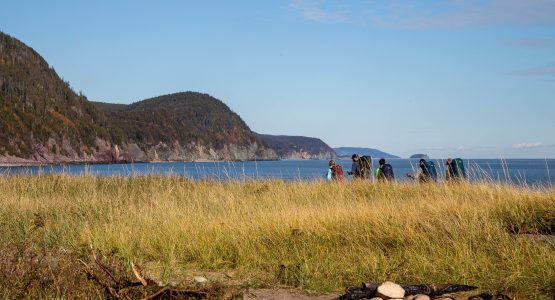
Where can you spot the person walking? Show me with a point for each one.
(455, 170)
(356, 171)
(385, 171)
(335, 172)
(427, 172)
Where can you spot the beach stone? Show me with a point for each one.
(376, 298)
(418, 297)
(444, 297)
(200, 279)
(390, 290)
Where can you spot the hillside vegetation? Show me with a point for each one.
(37, 106)
(190, 119)
(310, 235)
(298, 147)
(183, 117)
(44, 120)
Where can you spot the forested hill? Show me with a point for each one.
(188, 122)
(42, 117)
(298, 147)
(44, 120)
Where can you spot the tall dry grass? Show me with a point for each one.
(312, 235)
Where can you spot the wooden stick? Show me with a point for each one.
(163, 290)
(138, 275)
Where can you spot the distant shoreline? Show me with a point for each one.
(32, 164)
(38, 164)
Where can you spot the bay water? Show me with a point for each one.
(515, 171)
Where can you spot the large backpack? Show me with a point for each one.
(387, 172)
(458, 168)
(364, 166)
(431, 168)
(337, 172)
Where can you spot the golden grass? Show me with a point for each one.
(312, 235)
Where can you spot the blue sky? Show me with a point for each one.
(471, 78)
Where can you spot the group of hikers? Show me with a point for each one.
(362, 169)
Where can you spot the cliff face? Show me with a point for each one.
(45, 121)
(186, 126)
(298, 147)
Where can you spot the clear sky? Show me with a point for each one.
(471, 78)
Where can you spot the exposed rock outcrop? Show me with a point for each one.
(298, 147)
(45, 121)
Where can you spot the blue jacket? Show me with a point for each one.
(355, 168)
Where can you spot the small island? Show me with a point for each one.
(419, 156)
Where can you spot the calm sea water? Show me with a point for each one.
(518, 171)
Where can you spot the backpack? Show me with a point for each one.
(337, 171)
(366, 161)
(387, 172)
(364, 166)
(458, 168)
(431, 168)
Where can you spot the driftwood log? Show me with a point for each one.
(118, 286)
(369, 290)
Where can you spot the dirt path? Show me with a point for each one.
(286, 294)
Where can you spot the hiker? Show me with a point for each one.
(361, 166)
(384, 171)
(426, 173)
(365, 166)
(455, 170)
(449, 172)
(355, 167)
(335, 172)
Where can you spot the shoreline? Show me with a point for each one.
(47, 164)
(39, 164)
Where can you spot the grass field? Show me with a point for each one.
(310, 235)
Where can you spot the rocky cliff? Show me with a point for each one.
(45, 121)
(298, 147)
(185, 126)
